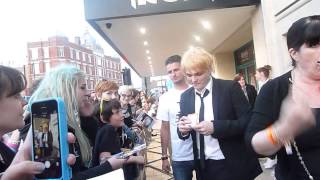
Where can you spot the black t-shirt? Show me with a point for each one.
(107, 140)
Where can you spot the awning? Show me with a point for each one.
(146, 32)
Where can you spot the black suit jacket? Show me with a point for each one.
(252, 94)
(231, 117)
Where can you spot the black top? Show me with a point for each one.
(90, 126)
(266, 112)
(231, 113)
(107, 140)
(6, 156)
(252, 94)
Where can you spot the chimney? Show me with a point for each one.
(77, 40)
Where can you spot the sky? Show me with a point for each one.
(25, 21)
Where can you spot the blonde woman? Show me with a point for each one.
(69, 83)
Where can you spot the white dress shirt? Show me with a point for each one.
(211, 145)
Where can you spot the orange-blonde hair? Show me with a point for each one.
(197, 58)
(105, 85)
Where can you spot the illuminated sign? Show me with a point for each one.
(110, 9)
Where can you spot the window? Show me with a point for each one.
(99, 72)
(77, 55)
(89, 70)
(74, 56)
(36, 69)
(69, 52)
(84, 68)
(46, 52)
(34, 53)
(98, 60)
(80, 55)
(92, 60)
(60, 52)
(92, 71)
(87, 58)
(47, 67)
(88, 84)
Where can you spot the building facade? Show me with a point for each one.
(255, 39)
(45, 55)
(263, 39)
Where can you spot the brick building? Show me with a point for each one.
(89, 57)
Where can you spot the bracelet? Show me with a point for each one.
(164, 158)
(270, 135)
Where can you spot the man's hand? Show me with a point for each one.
(204, 127)
(184, 125)
(166, 165)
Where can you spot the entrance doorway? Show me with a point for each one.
(245, 63)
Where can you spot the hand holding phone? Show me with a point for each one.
(49, 129)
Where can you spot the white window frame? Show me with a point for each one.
(60, 52)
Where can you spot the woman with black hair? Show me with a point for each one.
(286, 116)
(12, 83)
(16, 166)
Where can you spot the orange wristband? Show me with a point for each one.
(270, 136)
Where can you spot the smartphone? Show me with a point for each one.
(128, 153)
(49, 132)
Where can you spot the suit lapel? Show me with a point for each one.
(192, 103)
(215, 98)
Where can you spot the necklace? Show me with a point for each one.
(301, 161)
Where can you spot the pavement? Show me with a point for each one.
(153, 167)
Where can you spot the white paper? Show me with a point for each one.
(114, 175)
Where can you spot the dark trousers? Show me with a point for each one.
(214, 170)
(182, 170)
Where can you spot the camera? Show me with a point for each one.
(108, 25)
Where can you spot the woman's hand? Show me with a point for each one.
(22, 168)
(296, 116)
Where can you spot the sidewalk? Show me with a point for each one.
(153, 168)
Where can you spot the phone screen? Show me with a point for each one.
(46, 144)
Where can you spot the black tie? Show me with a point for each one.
(201, 137)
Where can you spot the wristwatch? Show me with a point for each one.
(164, 157)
